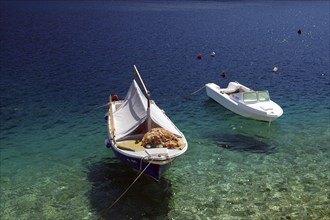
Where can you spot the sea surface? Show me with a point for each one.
(60, 61)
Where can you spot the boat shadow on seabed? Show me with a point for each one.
(239, 142)
(146, 199)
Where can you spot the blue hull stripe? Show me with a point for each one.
(154, 170)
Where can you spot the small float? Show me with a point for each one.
(245, 101)
(224, 74)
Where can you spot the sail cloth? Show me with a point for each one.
(133, 112)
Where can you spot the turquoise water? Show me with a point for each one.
(61, 60)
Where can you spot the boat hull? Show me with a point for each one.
(154, 170)
(248, 111)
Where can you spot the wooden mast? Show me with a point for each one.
(148, 97)
(112, 124)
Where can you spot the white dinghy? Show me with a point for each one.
(141, 135)
(244, 101)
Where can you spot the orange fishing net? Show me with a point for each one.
(159, 137)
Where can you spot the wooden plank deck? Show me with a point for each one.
(131, 145)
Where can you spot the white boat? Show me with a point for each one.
(244, 101)
(130, 121)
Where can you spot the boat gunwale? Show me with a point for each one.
(172, 153)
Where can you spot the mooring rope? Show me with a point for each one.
(101, 106)
(115, 202)
(198, 90)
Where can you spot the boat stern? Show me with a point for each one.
(150, 167)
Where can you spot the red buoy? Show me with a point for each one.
(224, 74)
(199, 56)
(114, 97)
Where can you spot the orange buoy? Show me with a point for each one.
(199, 56)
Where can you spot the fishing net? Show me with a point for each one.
(160, 137)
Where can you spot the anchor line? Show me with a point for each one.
(117, 200)
(198, 90)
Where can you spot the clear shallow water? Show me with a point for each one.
(61, 60)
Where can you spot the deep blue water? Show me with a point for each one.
(60, 60)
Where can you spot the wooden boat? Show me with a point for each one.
(133, 122)
(244, 101)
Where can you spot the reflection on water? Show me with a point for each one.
(145, 199)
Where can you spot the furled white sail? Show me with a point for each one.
(133, 112)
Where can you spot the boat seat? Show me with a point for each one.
(229, 91)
